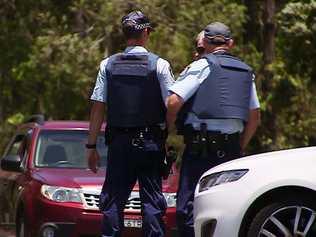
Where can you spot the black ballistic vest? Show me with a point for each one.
(134, 95)
(224, 94)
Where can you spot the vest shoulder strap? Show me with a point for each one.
(152, 60)
(211, 59)
(110, 61)
(227, 61)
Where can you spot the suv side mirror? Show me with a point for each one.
(11, 163)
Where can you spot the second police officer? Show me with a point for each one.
(134, 86)
(217, 110)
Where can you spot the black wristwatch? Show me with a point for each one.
(91, 146)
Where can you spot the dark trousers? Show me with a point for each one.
(126, 165)
(192, 167)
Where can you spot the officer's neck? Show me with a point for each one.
(219, 48)
(136, 42)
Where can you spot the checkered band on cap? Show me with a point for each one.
(142, 26)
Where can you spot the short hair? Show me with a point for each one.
(130, 32)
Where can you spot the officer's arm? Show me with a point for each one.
(98, 99)
(174, 104)
(96, 120)
(250, 128)
(187, 84)
(165, 77)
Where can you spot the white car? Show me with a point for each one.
(266, 195)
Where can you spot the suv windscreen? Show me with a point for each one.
(66, 149)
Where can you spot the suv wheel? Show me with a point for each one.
(292, 217)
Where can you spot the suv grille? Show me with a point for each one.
(133, 203)
(92, 201)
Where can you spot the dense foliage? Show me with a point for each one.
(50, 53)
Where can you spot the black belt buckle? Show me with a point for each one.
(221, 154)
(137, 142)
(213, 141)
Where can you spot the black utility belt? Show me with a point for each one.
(210, 137)
(135, 129)
(204, 143)
(137, 134)
(148, 131)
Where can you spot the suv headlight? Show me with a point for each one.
(61, 194)
(220, 178)
(171, 199)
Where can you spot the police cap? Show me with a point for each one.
(136, 21)
(217, 33)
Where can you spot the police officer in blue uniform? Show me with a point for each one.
(217, 110)
(134, 85)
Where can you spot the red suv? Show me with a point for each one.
(48, 191)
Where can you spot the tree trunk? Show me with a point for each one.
(1, 98)
(269, 32)
(80, 26)
(252, 27)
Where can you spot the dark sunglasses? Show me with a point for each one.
(200, 50)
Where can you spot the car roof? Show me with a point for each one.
(59, 125)
(65, 124)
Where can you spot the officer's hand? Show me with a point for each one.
(93, 159)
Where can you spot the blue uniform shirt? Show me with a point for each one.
(188, 83)
(164, 75)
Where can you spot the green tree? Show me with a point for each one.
(51, 50)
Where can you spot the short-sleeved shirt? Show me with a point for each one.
(188, 83)
(164, 75)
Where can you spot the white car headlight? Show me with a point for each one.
(171, 199)
(220, 178)
(61, 194)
